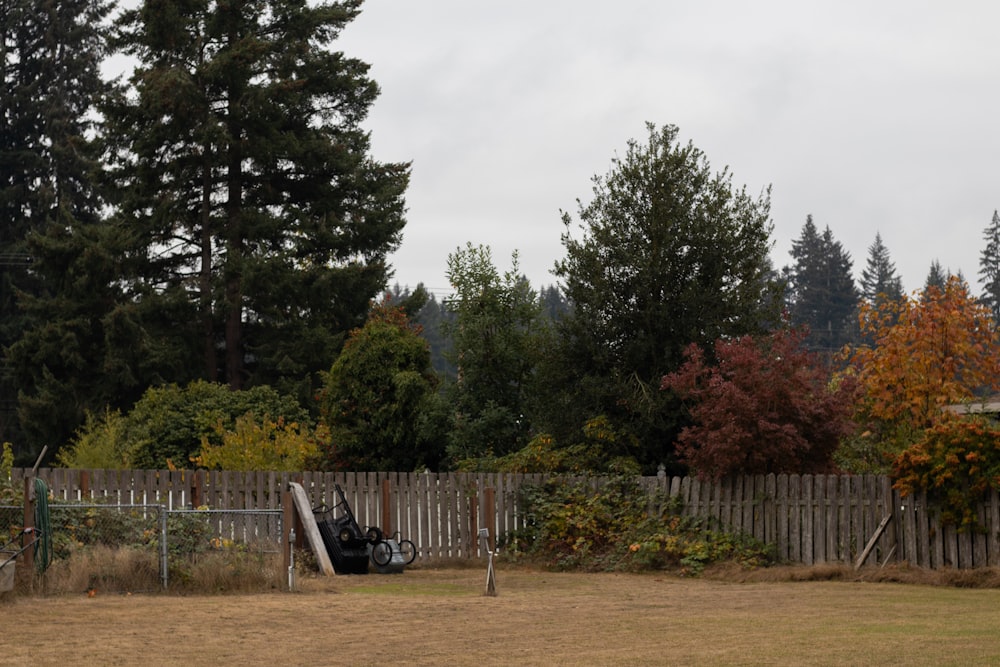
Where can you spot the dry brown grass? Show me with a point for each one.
(126, 570)
(439, 616)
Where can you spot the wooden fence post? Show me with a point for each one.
(386, 513)
(196, 489)
(489, 514)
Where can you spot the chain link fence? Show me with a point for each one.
(124, 547)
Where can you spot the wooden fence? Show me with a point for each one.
(808, 519)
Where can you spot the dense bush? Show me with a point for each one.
(956, 463)
(380, 399)
(620, 527)
(169, 425)
(760, 405)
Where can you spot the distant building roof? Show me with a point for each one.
(990, 405)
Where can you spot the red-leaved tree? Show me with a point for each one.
(765, 405)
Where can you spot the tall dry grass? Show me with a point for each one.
(129, 570)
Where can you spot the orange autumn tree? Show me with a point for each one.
(927, 352)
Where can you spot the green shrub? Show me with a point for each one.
(167, 426)
(620, 527)
(98, 444)
(8, 494)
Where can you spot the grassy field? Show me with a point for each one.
(441, 617)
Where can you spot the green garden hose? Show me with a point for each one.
(43, 524)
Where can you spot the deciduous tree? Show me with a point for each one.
(929, 351)
(760, 405)
(955, 462)
(260, 443)
(168, 425)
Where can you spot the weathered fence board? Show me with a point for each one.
(806, 518)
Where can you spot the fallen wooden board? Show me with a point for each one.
(312, 530)
(873, 540)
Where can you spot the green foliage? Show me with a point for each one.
(84, 527)
(262, 444)
(602, 450)
(496, 332)
(573, 526)
(239, 139)
(862, 453)
(188, 533)
(380, 399)
(955, 463)
(432, 320)
(989, 268)
(670, 254)
(879, 279)
(822, 293)
(937, 277)
(167, 426)
(8, 494)
(98, 444)
(50, 82)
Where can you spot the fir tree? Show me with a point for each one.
(879, 279)
(245, 175)
(49, 206)
(937, 277)
(989, 268)
(823, 296)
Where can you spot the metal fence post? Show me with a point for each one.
(164, 565)
(29, 520)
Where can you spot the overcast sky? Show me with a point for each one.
(871, 116)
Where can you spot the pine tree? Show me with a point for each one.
(49, 203)
(822, 292)
(989, 268)
(879, 279)
(245, 175)
(937, 277)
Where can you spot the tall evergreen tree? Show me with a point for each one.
(50, 60)
(671, 254)
(937, 277)
(822, 291)
(246, 179)
(989, 268)
(496, 331)
(554, 303)
(434, 319)
(879, 279)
